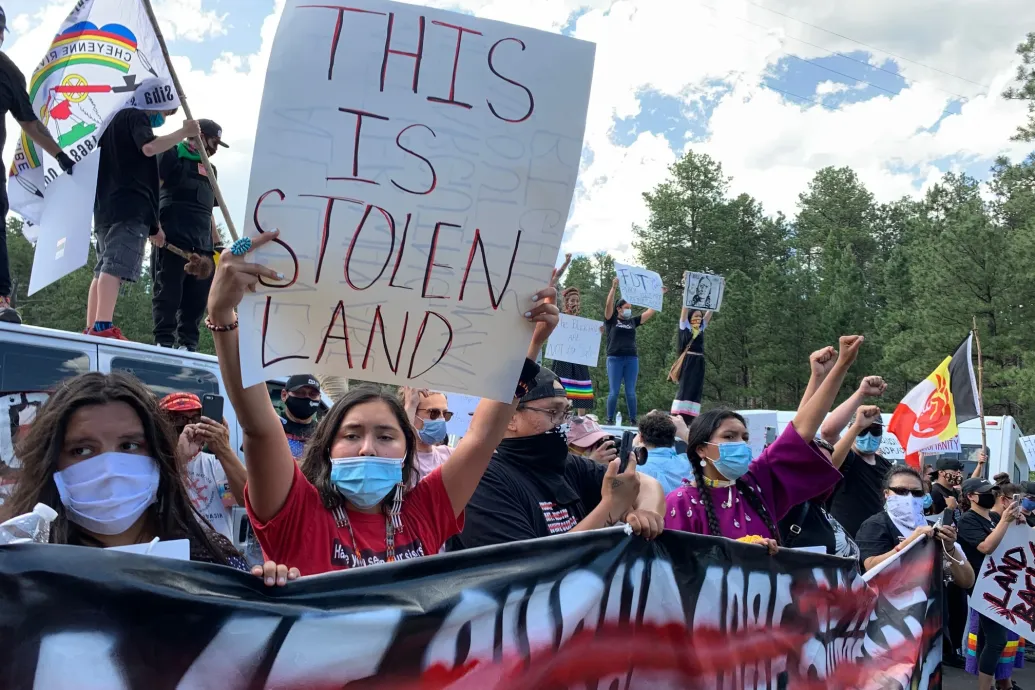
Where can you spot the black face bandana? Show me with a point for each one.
(547, 452)
(301, 408)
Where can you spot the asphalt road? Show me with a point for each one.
(957, 679)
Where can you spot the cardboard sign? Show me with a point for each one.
(640, 286)
(1003, 590)
(420, 166)
(703, 291)
(576, 340)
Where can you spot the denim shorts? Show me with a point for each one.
(120, 250)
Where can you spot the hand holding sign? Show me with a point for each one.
(640, 286)
(234, 276)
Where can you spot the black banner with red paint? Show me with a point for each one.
(590, 610)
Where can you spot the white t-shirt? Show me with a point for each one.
(209, 491)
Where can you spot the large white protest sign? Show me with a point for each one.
(63, 242)
(1028, 444)
(1003, 591)
(950, 446)
(102, 55)
(703, 291)
(420, 166)
(639, 286)
(576, 340)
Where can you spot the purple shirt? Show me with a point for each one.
(787, 473)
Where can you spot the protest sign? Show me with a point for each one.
(703, 291)
(576, 340)
(639, 286)
(592, 609)
(1005, 590)
(104, 52)
(421, 195)
(1028, 444)
(950, 446)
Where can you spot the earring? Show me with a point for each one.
(704, 464)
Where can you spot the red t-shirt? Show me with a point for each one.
(304, 534)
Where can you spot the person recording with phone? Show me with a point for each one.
(215, 478)
(586, 439)
(981, 530)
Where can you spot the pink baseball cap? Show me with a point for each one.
(584, 432)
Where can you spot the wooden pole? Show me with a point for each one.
(981, 389)
(186, 110)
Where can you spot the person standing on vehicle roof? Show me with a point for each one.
(14, 99)
(185, 210)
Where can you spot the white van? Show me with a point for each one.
(34, 360)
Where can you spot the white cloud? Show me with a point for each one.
(689, 49)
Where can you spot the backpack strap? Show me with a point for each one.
(795, 529)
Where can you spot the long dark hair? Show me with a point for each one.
(316, 459)
(699, 433)
(172, 515)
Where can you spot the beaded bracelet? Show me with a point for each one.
(221, 329)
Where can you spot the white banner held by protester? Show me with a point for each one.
(576, 340)
(1004, 590)
(703, 291)
(639, 286)
(100, 57)
(1028, 444)
(420, 166)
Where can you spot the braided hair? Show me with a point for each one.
(700, 432)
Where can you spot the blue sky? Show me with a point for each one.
(673, 74)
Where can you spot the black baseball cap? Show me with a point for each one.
(949, 464)
(976, 485)
(301, 381)
(211, 129)
(544, 387)
(1028, 488)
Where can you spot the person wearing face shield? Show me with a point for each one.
(859, 495)
(102, 454)
(185, 210)
(736, 497)
(126, 206)
(429, 414)
(623, 362)
(14, 99)
(981, 530)
(535, 488)
(301, 398)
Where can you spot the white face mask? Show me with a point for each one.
(906, 510)
(106, 494)
(627, 313)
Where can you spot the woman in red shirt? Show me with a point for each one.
(354, 499)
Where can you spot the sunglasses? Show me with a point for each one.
(875, 430)
(902, 491)
(434, 413)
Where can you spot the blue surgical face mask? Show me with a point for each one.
(1028, 504)
(868, 443)
(734, 459)
(928, 501)
(365, 481)
(157, 119)
(434, 431)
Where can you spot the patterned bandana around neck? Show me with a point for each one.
(564, 300)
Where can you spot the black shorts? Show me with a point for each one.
(120, 250)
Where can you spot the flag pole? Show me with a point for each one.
(186, 110)
(981, 389)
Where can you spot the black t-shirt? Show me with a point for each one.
(971, 530)
(621, 335)
(14, 100)
(859, 494)
(186, 202)
(938, 495)
(517, 500)
(877, 535)
(817, 528)
(127, 183)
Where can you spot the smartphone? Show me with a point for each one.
(770, 434)
(625, 449)
(948, 517)
(212, 407)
